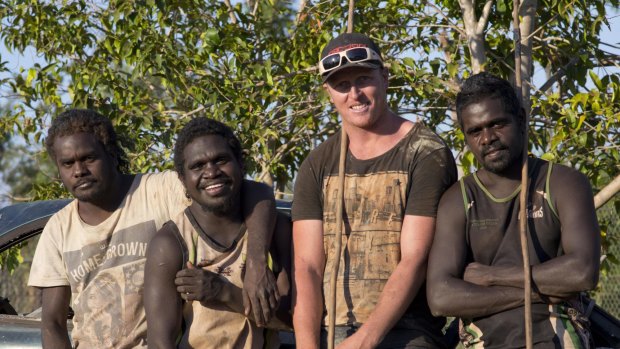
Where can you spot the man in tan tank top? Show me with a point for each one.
(196, 263)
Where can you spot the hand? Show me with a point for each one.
(197, 284)
(260, 292)
(356, 341)
(478, 274)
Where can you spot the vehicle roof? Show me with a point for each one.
(17, 221)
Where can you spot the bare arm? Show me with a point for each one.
(576, 270)
(308, 268)
(402, 286)
(448, 294)
(281, 251)
(55, 308)
(162, 303)
(260, 293)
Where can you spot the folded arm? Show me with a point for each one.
(448, 294)
(577, 269)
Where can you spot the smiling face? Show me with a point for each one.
(494, 136)
(85, 168)
(359, 95)
(212, 174)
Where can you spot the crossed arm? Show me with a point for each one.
(457, 289)
(398, 292)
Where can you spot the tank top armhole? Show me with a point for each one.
(465, 200)
(548, 190)
(174, 229)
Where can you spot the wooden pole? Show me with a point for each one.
(527, 278)
(344, 145)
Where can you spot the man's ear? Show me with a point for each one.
(180, 177)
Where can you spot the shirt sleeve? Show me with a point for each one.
(307, 198)
(48, 267)
(170, 194)
(432, 176)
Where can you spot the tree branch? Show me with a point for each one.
(484, 18)
(607, 193)
(231, 12)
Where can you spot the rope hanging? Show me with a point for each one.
(527, 278)
(344, 144)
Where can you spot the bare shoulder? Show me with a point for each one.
(452, 199)
(570, 190)
(165, 247)
(566, 180)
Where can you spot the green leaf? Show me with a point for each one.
(595, 80)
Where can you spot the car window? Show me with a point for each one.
(14, 286)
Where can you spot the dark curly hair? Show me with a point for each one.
(203, 126)
(486, 85)
(75, 121)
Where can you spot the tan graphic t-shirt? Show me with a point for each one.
(104, 264)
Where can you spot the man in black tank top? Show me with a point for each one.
(475, 265)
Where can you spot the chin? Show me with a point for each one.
(221, 208)
(87, 197)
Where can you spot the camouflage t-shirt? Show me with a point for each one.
(406, 180)
(104, 264)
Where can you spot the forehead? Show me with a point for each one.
(76, 143)
(351, 74)
(207, 145)
(483, 111)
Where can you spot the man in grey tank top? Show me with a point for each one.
(475, 266)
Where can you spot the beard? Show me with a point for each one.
(223, 207)
(503, 161)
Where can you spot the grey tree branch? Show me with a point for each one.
(607, 192)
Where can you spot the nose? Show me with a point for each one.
(354, 91)
(488, 136)
(212, 170)
(79, 169)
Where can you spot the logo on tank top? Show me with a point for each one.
(484, 223)
(533, 212)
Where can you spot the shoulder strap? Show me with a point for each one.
(174, 229)
(465, 199)
(548, 190)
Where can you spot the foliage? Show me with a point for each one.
(151, 65)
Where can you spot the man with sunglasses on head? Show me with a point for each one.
(396, 171)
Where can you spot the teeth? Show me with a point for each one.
(214, 186)
(358, 107)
